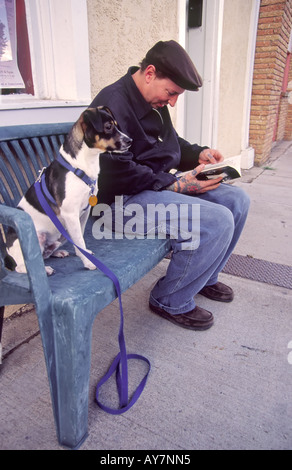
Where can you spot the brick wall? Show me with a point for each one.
(268, 111)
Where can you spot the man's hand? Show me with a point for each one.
(189, 184)
(212, 156)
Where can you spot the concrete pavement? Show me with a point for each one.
(229, 387)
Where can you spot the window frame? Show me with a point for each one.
(59, 48)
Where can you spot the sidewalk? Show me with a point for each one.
(229, 387)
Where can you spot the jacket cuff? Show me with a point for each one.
(163, 180)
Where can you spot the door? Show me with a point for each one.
(203, 44)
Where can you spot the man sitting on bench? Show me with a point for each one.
(213, 213)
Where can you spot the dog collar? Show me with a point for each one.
(42, 182)
(80, 173)
(77, 171)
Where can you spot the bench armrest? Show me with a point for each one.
(23, 225)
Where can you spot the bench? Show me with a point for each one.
(67, 302)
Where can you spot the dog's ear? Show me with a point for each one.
(107, 110)
(93, 118)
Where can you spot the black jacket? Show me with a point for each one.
(155, 150)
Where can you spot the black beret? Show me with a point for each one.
(171, 59)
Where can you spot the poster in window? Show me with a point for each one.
(10, 76)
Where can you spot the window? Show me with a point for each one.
(52, 58)
(15, 64)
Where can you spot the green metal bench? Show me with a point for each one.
(67, 302)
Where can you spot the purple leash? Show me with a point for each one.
(120, 363)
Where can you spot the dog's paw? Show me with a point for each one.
(89, 265)
(49, 270)
(60, 254)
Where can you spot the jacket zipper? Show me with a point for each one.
(162, 122)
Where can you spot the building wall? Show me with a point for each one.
(121, 32)
(288, 121)
(282, 117)
(274, 29)
(233, 75)
(101, 39)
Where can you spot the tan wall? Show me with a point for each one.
(121, 32)
(235, 41)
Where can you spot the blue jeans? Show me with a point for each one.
(202, 249)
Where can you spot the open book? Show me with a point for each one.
(229, 169)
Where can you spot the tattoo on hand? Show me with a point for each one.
(185, 186)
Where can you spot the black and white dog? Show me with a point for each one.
(68, 183)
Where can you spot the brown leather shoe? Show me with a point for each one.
(218, 291)
(196, 319)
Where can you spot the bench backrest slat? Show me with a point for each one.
(23, 163)
(13, 178)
